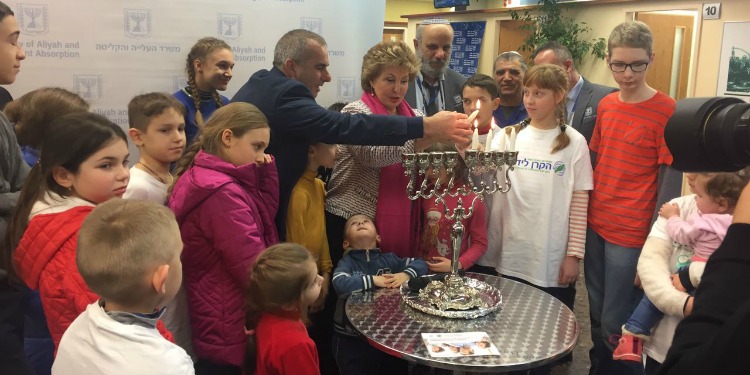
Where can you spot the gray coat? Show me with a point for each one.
(453, 82)
(13, 171)
(587, 102)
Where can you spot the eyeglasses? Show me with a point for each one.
(635, 67)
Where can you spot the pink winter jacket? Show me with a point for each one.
(226, 216)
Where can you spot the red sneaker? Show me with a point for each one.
(629, 348)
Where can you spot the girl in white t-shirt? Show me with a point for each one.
(539, 227)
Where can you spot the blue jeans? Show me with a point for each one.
(644, 318)
(610, 272)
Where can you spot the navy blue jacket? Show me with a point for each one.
(355, 271)
(297, 121)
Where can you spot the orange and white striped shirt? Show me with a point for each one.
(629, 142)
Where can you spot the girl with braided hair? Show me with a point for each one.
(541, 222)
(209, 68)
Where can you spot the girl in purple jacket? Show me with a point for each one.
(225, 197)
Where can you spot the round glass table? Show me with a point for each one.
(530, 329)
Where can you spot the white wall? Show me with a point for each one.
(111, 50)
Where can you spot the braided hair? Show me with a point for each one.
(200, 51)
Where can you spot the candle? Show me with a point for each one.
(474, 114)
(512, 139)
(475, 137)
(502, 140)
(488, 141)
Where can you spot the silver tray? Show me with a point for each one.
(489, 294)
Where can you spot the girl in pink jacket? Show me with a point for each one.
(225, 197)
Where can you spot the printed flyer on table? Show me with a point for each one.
(464, 344)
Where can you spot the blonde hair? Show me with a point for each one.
(631, 34)
(120, 242)
(550, 77)
(384, 55)
(238, 117)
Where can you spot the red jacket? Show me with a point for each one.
(226, 216)
(46, 261)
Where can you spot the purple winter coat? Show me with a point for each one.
(226, 217)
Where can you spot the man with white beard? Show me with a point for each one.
(436, 87)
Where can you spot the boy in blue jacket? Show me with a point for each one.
(363, 268)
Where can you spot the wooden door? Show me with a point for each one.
(665, 28)
(512, 38)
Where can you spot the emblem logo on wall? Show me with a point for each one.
(312, 24)
(345, 88)
(32, 18)
(179, 82)
(229, 25)
(88, 86)
(137, 23)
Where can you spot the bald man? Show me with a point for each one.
(436, 87)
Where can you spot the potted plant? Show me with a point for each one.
(548, 22)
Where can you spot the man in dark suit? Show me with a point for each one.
(286, 96)
(583, 96)
(436, 87)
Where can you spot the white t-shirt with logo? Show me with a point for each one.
(528, 226)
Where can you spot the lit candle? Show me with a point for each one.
(474, 114)
(475, 137)
(488, 141)
(512, 139)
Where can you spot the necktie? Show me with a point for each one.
(432, 103)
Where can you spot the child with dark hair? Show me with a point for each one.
(363, 268)
(74, 174)
(481, 93)
(33, 112)
(209, 68)
(13, 171)
(284, 283)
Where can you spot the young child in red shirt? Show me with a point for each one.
(283, 284)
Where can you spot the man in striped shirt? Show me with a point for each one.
(629, 142)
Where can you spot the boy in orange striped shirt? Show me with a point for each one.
(629, 142)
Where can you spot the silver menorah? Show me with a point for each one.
(454, 293)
